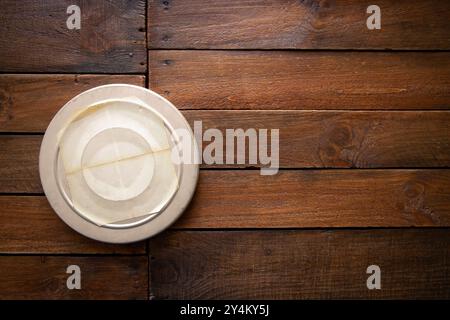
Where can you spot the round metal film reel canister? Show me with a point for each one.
(110, 163)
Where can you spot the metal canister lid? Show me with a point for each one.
(108, 163)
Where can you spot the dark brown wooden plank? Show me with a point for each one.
(336, 139)
(290, 199)
(315, 139)
(275, 24)
(35, 277)
(301, 80)
(319, 198)
(28, 102)
(35, 37)
(19, 164)
(300, 264)
(29, 225)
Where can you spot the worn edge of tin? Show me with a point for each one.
(172, 212)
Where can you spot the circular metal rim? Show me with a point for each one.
(49, 148)
(144, 219)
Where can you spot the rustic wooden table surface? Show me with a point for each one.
(364, 119)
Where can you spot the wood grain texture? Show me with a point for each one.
(291, 24)
(319, 198)
(290, 199)
(29, 225)
(19, 164)
(300, 264)
(316, 139)
(35, 37)
(340, 139)
(44, 277)
(28, 102)
(292, 80)
(335, 109)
